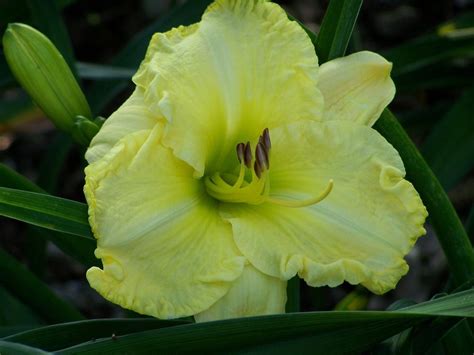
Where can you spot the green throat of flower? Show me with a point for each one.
(252, 184)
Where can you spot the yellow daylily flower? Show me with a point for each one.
(238, 163)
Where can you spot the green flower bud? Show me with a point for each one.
(44, 74)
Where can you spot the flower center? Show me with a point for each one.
(252, 184)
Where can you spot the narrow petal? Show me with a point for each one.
(252, 294)
(165, 250)
(244, 67)
(359, 233)
(356, 88)
(131, 117)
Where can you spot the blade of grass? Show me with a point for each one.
(81, 249)
(10, 178)
(19, 349)
(459, 339)
(60, 336)
(13, 312)
(470, 224)
(449, 148)
(20, 282)
(336, 28)
(10, 330)
(45, 211)
(334, 332)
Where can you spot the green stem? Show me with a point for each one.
(293, 293)
(449, 229)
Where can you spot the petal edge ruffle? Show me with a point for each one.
(363, 229)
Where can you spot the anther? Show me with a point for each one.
(262, 157)
(240, 152)
(257, 168)
(248, 155)
(266, 139)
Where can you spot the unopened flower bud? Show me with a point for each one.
(44, 74)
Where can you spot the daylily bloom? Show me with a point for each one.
(238, 163)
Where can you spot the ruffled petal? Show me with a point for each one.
(166, 251)
(131, 117)
(356, 88)
(244, 67)
(359, 233)
(252, 294)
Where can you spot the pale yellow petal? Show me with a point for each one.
(131, 117)
(166, 252)
(244, 67)
(362, 230)
(356, 88)
(252, 294)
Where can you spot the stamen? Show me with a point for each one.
(262, 156)
(240, 152)
(240, 179)
(257, 168)
(303, 203)
(248, 155)
(266, 139)
(254, 189)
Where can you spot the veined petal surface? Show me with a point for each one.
(131, 117)
(243, 68)
(359, 233)
(252, 294)
(165, 250)
(356, 88)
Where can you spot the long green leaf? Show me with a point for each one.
(31, 291)
(10, 178)
(302, 332)
(64, 335)
(13, 312)
(449, 149)
(336, 28)
(470, 224)
(458, 304)
(449, 229)
(81, 249)
(131, 56)
(8, 348)
(431, 49)
(45, 211)
(334, 332)
(10, 330)
(459, 340)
